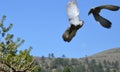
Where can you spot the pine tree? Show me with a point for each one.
(107, 69)
(12, 60)
(66, 69)
(100, 68)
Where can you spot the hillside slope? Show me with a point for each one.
(105, 61)
(109, 55)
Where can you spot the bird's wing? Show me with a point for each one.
(72, 9)
(69, 33)
(73, 13)
(104, 22)
(109, 7)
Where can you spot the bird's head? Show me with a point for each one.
(91, 11)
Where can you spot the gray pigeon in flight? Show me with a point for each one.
(75, 22)
(104, 22)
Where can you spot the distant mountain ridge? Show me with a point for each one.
(110, 55)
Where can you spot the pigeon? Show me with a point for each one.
(104, 22)
(75, 22)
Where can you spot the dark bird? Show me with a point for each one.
(104, 22)
(70, 32)
(75, 22)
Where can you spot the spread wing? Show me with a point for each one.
(73, 13)
(109, 7)
(104, 22)
(69, 33)
(72, 9)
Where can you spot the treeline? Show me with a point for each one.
(52, 64)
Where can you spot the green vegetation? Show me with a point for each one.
(12, 60)
(77, 65)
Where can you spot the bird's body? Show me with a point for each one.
(75, 22)
(104, 22)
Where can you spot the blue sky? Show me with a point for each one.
(41, 24)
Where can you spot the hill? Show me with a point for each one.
(109, 55)
(105, 61)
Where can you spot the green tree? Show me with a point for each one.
(66, 69)
(12, 60)
(100, 68)
(107, 69)
(105, 63)
(79, 68)
(74, 61)
(63, 56)
(51, 55)
(54, 70)
(92, 65)
(116, 65)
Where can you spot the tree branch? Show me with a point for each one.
(29, 65)
(1, 69)
(2, 62)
